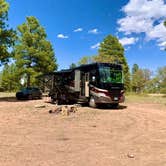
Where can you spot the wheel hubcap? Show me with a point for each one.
(92, 102)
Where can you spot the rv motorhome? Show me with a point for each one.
(96, 83)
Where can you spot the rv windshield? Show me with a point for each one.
(110, 75)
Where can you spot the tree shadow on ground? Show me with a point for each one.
(8, 99)
(110, 107)
(13, 99)
(103, 106)
(106, 106)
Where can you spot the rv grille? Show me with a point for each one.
(115, 93)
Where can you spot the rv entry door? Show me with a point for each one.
(84, 84)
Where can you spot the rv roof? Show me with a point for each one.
(100, 64)
(86, 66)
(82, 67)
(90, 65)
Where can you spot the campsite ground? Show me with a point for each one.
(133, 135)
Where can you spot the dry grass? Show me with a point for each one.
(7, 94)
(145, 98)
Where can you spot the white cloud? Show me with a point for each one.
(146, 8)
(78, 30)
(93, 31)
(96, 46)
(144, 16)
(61, 36)
(128, 48)
(132, 24)
(162, 45)
(157, 32)
(128, 41)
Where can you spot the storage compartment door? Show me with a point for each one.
(77, 80)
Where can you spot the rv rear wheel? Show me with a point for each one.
(92, 102)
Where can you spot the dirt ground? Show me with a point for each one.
(133, 135)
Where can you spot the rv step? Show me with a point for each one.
(82, 100)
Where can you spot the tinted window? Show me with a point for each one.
(109, 75)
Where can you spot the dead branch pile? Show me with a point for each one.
(64, 110)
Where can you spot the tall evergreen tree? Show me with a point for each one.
(7, 36)
(33, 53)
(112, 51)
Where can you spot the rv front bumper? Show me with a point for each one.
(109, 100)
(104, 96)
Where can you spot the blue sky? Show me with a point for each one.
(76, 27)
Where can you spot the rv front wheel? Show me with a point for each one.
(92, 102)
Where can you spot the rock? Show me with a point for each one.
(73, 109)
(65, 110)
(130, 155)
(50, 111)
(56, 110)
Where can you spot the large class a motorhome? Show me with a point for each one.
(96, 83)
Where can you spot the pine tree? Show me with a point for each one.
(111, 51)
(33, 53)
(7, 36)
